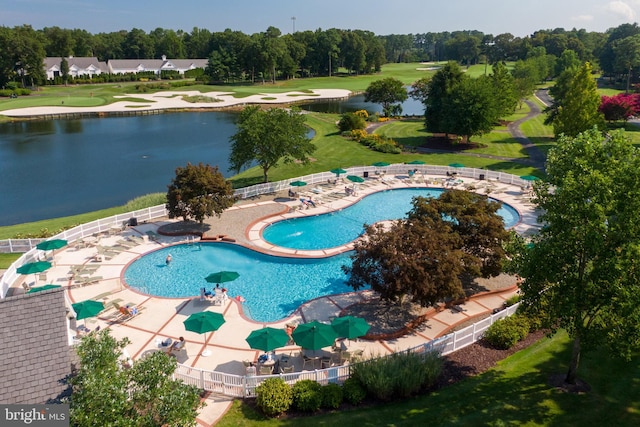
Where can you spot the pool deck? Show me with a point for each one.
(226, 349)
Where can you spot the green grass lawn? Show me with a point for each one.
(7, 259)
(515, 392)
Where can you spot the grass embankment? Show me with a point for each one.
(515, 392)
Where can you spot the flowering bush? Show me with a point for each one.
(362, 113)
(358, 134)
(620, 106)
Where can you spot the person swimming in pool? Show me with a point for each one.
(168, 259)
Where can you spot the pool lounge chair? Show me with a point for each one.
(153, 236)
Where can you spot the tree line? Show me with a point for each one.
(269, 55)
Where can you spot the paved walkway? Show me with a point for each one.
(225, 349)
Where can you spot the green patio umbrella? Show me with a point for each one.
(355, 178)
(222, 276)
(350, 326)
(267, 339)
(380, 164)
(298, 184)
(456, 165)
(314, 335)
(43, 288)
(203, 322)
(87, 308)
(529, 178)
(51, 245)
(416, 162)
(338, 171)
(34, 267)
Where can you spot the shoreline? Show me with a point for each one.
(162, 101)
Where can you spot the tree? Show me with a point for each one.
(470, 108)
(268, 136)
(582, 271)
(504, 93)
(198, 192)
(64, 70)
(441, 84)
(619, 107)
(627, 56)
(386, 92)
(107, 393)
(577, 103)
(426, 256)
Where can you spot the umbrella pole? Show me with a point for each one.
(206, 352)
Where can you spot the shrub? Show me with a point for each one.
(387, 147)
(512, 300)
(353, 392)
(505, 333)
(332, 396)
(351, 121)
(398, 375)
(362, 113)
(358, 134)
(274, 397)
(307, 395)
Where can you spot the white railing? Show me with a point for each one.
(99, 226)
(245, 386)
(75, 233)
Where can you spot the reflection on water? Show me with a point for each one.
(410, 107)
(56, 168)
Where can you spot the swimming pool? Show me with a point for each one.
(343, 226)
(273, 287)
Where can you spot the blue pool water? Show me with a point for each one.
(343, 226)
(273, 287)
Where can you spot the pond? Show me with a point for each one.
(56, 168)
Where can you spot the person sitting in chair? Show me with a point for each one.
(176, 346)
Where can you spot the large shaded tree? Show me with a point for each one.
(107, 393)
(582, 272)
(197, 192)
(269, 136)
(389, 93)
(425, 257)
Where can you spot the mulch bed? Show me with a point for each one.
(478, 358)
(446, 144)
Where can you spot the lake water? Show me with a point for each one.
(410, 107)
(55, 168)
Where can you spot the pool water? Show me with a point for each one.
(341, 227)
(273, 287)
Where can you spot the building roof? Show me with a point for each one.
(35, 350)
(81, 63)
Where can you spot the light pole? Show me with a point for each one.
(293, 20)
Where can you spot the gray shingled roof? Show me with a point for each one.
(81, 63)
(35, 351)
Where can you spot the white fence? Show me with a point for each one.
(103, 225)
(245, 386)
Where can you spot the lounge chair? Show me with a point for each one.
(266, 370)
(153, 235)
(87, 280)
(126, 313)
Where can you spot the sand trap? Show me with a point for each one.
(174, 99)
